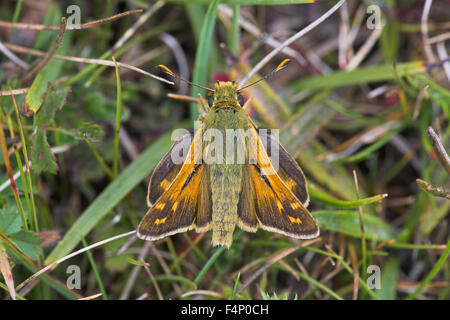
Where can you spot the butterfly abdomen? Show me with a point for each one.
(225, 172)
(225, 187)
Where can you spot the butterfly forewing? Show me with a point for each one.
(277, 208)
(175, 210)
(166, 170)
(288, 169)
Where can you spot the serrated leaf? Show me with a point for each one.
(42, 156)
(9, 220)
(28, 242)
(90, 131)
(38, 92)
(55, 100)
(347, 222)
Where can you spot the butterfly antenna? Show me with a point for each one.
(281, 66)
(170, 72)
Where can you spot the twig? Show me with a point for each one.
(439, 149)
(49, 54)
(354, 261)
(135, 272)
(204, 292)
(41, 27)
(108, 63)
(165, 267)
(326, 278)
(118, 117)
(424, 29)
(142, 19)
(443, 55)
(277, 257)
(94, 296)
(51, 265)
(182, 97)
(344, 37)
(271, 41)
(357, 21)
(302, 269)
(13, 57)
(155, 283)
(439, 38)
(180, 58)
(434, 190)
(14, 92)
(422, 94)
(286, 43)
(364, 50)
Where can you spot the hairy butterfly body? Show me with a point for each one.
(228, 178)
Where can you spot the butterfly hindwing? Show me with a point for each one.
(204, 203)
(247, 219)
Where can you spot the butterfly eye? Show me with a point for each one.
(241, 100)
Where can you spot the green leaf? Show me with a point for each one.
(347, 222)
(38, 91)
(28, 242)
(9, 220)
(389, 277)
(172, 278)
(136, 263)
(55, 100)
(318, 195)
(42, 156)
(90, 131)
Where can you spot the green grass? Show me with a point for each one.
(79, 183)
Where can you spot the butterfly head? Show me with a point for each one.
(225, 90)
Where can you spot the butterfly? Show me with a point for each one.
(218, 183)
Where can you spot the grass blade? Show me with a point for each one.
(358, 76)
(200, 73)
(347, 222)
(442, 260)
(208, 265)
